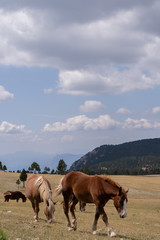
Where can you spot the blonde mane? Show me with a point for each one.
(44, 188)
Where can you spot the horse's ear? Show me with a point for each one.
(120, 191)
(127, 190)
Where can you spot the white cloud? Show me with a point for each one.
(88, 44)
(91, 106)
(123, 111)
(80, 82)
(103, 122)
(113, 81)
(16, 28)
(48, 90)
(156, 110)
(9, 128)
(138, 123)
(5, 95)
(82, 122)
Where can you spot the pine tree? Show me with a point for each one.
(23, 177)
(34, 167)
(4, 168)
(0, 165)
(46, 169)
(61, 168)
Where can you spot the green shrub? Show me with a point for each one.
(3, 235)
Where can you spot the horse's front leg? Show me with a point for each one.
(111, 233)
(96, 217)
(73, 216)
(37, 210)
(35, 207)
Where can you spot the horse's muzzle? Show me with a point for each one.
(123, 214)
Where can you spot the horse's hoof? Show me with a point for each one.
(50, 221)
(94, 232)
(74, 227)
(35, 218)
(112, 234)
(70, 229)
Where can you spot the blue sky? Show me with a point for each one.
(74, 76)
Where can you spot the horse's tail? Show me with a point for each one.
(58, 190)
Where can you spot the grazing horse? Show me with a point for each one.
(14, 195)
(38, 189)
(91, 189)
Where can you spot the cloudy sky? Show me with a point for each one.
(74, 76)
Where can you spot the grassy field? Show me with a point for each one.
(142, 222)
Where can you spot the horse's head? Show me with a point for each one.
(120, 202)
(49, 210)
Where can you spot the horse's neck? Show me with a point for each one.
(110, 181)
(114, 187)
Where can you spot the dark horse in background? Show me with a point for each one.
(91, 189)
(14, 195)
(38, 189)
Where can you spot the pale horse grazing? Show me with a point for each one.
(38, 189)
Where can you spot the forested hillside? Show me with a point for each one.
(142, 156)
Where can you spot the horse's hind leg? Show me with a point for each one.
(72, 208)
(66, 210)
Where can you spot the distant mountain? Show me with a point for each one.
(141, 154)
(23, 159)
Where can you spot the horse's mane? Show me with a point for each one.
(44, 187)
(109, 180)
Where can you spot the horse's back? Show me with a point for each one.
(74, 178)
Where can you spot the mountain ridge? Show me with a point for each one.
(140, 154)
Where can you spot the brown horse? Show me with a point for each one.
(91, 189)
(38, 189)
(14, 195)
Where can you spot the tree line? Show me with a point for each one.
(35, 168)
(134, 171)
(2, 167)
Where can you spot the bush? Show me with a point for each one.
(3, 235)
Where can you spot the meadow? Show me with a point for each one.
(142, 221)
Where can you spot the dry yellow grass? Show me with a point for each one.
(142, 222)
